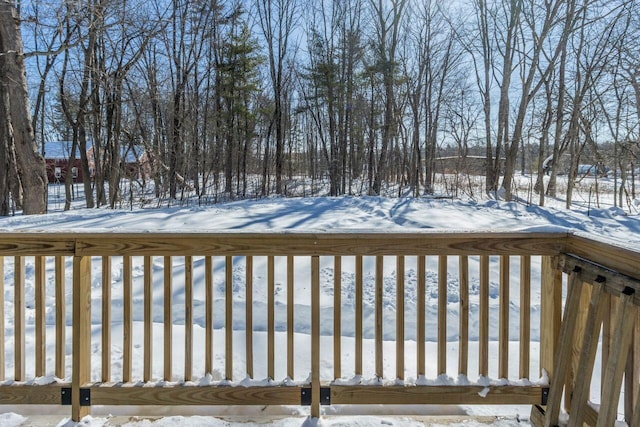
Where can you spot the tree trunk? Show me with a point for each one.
(13, 87)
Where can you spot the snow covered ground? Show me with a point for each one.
(316, 214)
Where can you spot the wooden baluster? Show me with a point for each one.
(188, 318)
(503, 335)
(525, 315)
(249, 315)
(271, 351)
(2, 321)
(359, 300)
(463, 353)
(81, 372)
(18, 316)
(208, 291)
(61, 318)
(40, 326)
(632, 374)
(228, 268)
(337, 317)
(168, 318)
(550, 313)
(599, 301)
(400, 263)
(127, 314)
(421, 301)
(483, 345)
(148, 319)
(379, 315)
(442, 314)
(635, 420)
(579, 327)
(625, 320)
(563, 351)
(290, 317)
(106, 319)
(315, 337)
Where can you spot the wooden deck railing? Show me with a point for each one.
(72, 296)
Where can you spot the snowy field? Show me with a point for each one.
(313, 214)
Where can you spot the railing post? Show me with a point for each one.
(550, 313)
(81, 372)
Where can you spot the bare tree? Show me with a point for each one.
(277, 20)
(387, 20)
(17, 133)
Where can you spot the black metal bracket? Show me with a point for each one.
(545, 395)
(65, 396)
(306, 393)
(85, 397)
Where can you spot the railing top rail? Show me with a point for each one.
(613, 256)
(348, 242)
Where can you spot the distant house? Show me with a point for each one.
(133, 160)
(56, 156)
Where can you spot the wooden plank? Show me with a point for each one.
(420, 328)
(40, 326)
(632, 374)
(208, 327)
(18, 319)
(400, 263)
(148, 319)
(463, 335)
(359, 301)
(308, 244)
(2, 322)
(81, 342)
(599, 301)
(607, 334)
(525, 315)
(168, 318)
(563, 352)
(503, 327)
(249, 315)
(228, 322)
(20, 394)
(579, 331)
(483, 350)
(176, 394)
(442, 315)
(606, 253)
(271, 323)
(188, 318)
(106, 319)
(591, 416)
(436, 395)
(127, 327)
(537, 416)
(635, 420)
(290, 317)
(35, 243)
(337, 317)
(379, 316)
(315, 337)
(550, 313)
(61, 317)
(625, 319)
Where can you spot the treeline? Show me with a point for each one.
(247, 96)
